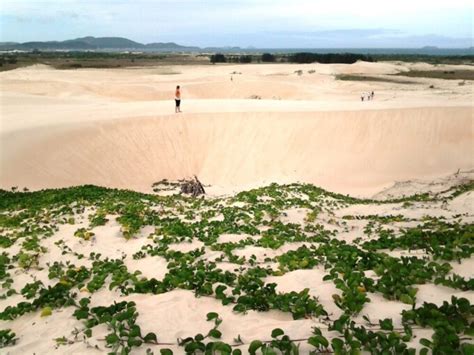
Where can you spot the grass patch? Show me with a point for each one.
(81, 60)
(440, 74)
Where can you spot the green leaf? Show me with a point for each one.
(314, 342)
(134, 331)
(188, 339)
(220, 289)
(236, 352)
(322, 340)
(277, 332)
(61, 341)
(425, 342)
(84, 302)
(166, 351)
(81, 314)
(134, 342)
(223, 348)
(268, 351)
(215, 333)
(254, 346)
(355, 345)
(212, 315)
(46, 311)
(227, 300)
(386, 324)
(192, 347)
(337, 345)
(111, 339)
(339, 323)
(406, 299)
(88, 332)
(150, 338)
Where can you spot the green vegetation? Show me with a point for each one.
(347, 58)
(89, 59)
(268, 58)
(326, 58)
(358, 270)
(440, 74)
(426, 58)
(449, 322)
(83, 59)
(218, 58)
(120, 319)
(7, 337)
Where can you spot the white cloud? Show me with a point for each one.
(151, 20)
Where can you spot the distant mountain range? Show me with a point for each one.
(114, 44)
(95, 43)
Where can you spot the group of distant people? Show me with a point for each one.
(367, 96)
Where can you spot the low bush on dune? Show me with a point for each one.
(68, 221)
(245, 59)
(268, 58)
(218, 58)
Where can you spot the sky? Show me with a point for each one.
(246, 23)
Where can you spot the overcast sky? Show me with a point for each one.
(258, 23)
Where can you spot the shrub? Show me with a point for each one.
(267, 57)
(245, 59)
(218, 58)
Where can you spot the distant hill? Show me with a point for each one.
(228, 49)
(170, 46)
(95, 43)
(111, 44)
(52, 45)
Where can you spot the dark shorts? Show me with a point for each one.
(178, 102)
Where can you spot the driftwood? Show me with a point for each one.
(193, 187)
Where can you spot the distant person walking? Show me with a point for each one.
(177, 99)
(372, 95)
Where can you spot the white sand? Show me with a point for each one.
(117, 128)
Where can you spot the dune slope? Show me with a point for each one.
(355, 152)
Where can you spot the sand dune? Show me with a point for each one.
(117, 127)
(354, 152)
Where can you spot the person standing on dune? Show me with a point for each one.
(177, 99)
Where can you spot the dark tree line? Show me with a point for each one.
(221, 58)
(303, 57)
(326, 58)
